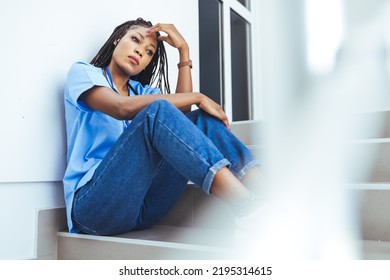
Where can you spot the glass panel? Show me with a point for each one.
(210, 49)
(240, 68)
(244, 2)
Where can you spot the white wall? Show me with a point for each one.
(40, 40)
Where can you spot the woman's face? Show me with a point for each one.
(134, 51)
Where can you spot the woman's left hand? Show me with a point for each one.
(173, 37)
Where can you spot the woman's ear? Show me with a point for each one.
(116, 42)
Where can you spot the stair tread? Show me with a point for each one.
(168, 236)
(376, 250)
(370, 186)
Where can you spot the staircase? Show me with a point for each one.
(195, 230)
(198, 227)
(373, 185)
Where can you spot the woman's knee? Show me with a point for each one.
(160, 104)
(162, 110)
(200, 118)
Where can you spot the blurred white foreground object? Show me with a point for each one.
(312, 214)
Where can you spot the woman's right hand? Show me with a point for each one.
(213, 108)
(173, 36)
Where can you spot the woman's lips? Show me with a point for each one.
(134, 60)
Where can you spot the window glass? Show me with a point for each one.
(240, 68)
(210, 49)
(245, 3)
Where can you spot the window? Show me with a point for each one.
(225, 55)
(244, 2)
(240, 68)
(211, 49)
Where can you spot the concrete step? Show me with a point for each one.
(198, 227)
(371, 156)
(370, 178)
(194, 228)
(376, 124)
(158, 242)
(249, 132)
(198, 210)
(370, 152)
(202, 240)
(374, 214)
(172, 243)
(375, 250)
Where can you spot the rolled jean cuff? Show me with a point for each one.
(211, 173)
(247, 167)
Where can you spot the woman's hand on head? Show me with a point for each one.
(172, 37)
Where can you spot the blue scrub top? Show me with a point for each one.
(90, 134)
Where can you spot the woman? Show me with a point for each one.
(132, 149)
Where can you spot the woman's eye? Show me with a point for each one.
(150, 53)
(135, 39)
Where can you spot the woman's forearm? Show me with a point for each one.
(184, 79)
(107, 101)
(132, 105)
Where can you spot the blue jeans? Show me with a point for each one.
(148, 168)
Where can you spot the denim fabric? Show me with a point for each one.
(148, 168)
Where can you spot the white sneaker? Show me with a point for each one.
(247, 231)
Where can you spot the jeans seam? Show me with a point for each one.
(83, 226)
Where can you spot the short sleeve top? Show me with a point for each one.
(90, 133)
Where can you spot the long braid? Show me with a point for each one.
(155, 74)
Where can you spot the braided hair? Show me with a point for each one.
(157, 70)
